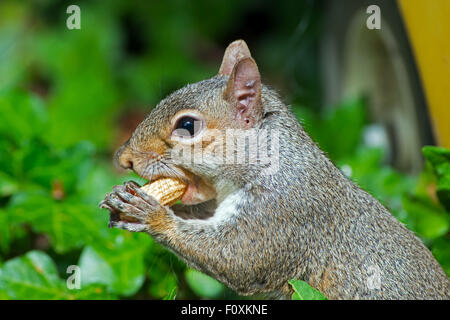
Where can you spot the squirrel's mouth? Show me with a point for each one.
(198, 190)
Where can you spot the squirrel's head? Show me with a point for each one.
(180, 137)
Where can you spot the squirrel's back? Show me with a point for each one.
(354, 246)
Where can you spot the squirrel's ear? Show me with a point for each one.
(237, 50)
(244, 91)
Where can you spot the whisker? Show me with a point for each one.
(154, 165)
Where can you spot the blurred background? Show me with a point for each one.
(70, 98)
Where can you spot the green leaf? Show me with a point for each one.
(163, 268)
(61, 220)
(439, 158)
(44, 166)
(162, 280)
(351, 113)
(8, 185)
(4, 296)
(96, 269)
(85, 98)
(91, 292)
(303, 291)
(203, 285)
(33, 276)
(172, 294)
(119, 265)
(5, 234)
(430, 221)
(441, 251)
(99, 181)
(23, 115)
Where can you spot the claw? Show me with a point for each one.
(116, 202)
(104, 205)
(126, 196)
(136, 190)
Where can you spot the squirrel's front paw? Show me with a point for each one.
(132, 209)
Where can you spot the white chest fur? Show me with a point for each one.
(227, 208)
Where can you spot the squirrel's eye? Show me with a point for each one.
(187, 126)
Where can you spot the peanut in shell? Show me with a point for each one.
(166, 190)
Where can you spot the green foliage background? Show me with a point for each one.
(68, 99)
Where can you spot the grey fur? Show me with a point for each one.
(306, 221)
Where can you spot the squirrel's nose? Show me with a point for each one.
(124, 157)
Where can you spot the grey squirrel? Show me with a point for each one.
(255, 230)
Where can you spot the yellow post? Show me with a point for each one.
(428, 25)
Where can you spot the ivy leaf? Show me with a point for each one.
(34, 276)
(95, 268)
(303, 291)
(119, 265)
(61, 220)
(43, 165)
